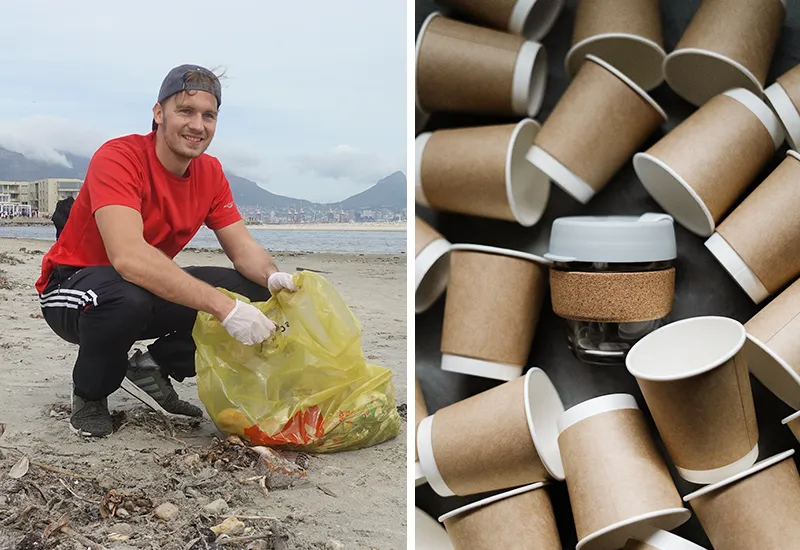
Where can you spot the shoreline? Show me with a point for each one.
(377, 226)
(331, 226)
(47, 243)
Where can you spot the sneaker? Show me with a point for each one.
(90, 418)
(146, 375)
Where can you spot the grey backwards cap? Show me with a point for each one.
(175, 82)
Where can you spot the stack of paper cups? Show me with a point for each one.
(626, 33)
(503, 437)
(773, 347)
(728, 44)
(489, 332)
(699, 170)
(693, 375)
(618, 484)
(482, 172)
(595, 128)
(758, 243)
(470, 69)
(420, 412)
(525, 514)
(756, 509)
(784, 97)
(428, 533)
(431, 265)
(530, 18)
(658, 539)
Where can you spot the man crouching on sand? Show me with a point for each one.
(110, 280)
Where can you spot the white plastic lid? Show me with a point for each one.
(613, 239)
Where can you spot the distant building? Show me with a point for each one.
(44, 194)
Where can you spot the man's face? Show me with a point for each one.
(188, 122)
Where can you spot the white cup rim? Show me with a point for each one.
(763, 465)
(632, 358)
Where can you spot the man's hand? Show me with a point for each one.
(247, 324)
(281, 281)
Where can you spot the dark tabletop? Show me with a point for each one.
(703, 287)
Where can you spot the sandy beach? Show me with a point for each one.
(355, 498)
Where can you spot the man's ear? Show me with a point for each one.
(158, 114)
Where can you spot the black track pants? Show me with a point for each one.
(104, 314)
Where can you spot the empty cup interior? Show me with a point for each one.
(543, 407)
(773, 372)
(686, 348)
(637, 57)
(434, 261)
(419, 150)
(528, 188)
(698, 75)
(674, 194)
(428, 533)
(658, 539)
(534, 18)
(530, 79)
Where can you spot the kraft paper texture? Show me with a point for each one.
(484, 444)
(765, 229)
(597, 125)
(464, 171)
(492, 307)
(466, 68)
(707, 421)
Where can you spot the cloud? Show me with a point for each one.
(46, 138)
(344, 162)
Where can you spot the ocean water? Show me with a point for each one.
(296, 240)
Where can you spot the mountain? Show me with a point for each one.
(389, 192)
(249, 193)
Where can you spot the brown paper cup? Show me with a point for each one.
(503, 437)
(431, 265)
(700, 169)
(784, 98)
(489, 333)
(530, 18)
(756, 509)
(469, 69)
(693, 375)
(773, 346)
(595, 128)
(617, 482)
(504, 521)
(482, 172)
(758, 243)
(658, 539)
(626, 33)
(728, 44)
(420, 412)
(428, 533)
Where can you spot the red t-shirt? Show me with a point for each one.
(126, 171)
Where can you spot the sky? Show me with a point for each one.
(313, 102)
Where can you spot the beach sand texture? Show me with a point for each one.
(357, 498)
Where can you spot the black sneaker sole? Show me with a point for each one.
(87, 435)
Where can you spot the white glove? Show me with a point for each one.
(281, 281)
(247, 324)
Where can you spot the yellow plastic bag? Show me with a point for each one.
(306, 388)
